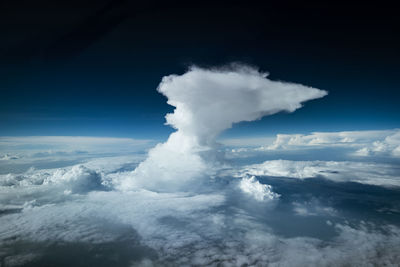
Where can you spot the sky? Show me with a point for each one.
(92, 68)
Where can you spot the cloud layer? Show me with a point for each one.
(222, 226)
(363, 143)
(339, 171)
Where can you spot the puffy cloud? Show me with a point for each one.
(207, 102)
(48, 176)
(362, 152)
(38, 186)
(363, 143)
(396, 151)
(339, 171)
(258, 191)
(328, 138)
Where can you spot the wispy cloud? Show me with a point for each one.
(69, 143)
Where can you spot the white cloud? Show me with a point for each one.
(207, 102)
(362, 152)
(42, 152)
(340, 171)
(313, 208)
(345, 138)
(187, 228)
(184, 228)
(260, 192)
(363, 143)
(82, 177)
(396, 151)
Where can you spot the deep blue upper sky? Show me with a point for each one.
(92, 67)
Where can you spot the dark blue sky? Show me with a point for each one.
(92, 67)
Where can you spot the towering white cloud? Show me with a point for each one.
(207, 102)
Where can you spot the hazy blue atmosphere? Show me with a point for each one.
(188, 134)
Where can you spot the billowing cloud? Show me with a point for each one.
(258, 191)
(390, 145)
(207, 102)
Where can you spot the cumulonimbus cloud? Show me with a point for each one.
(207, 102)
